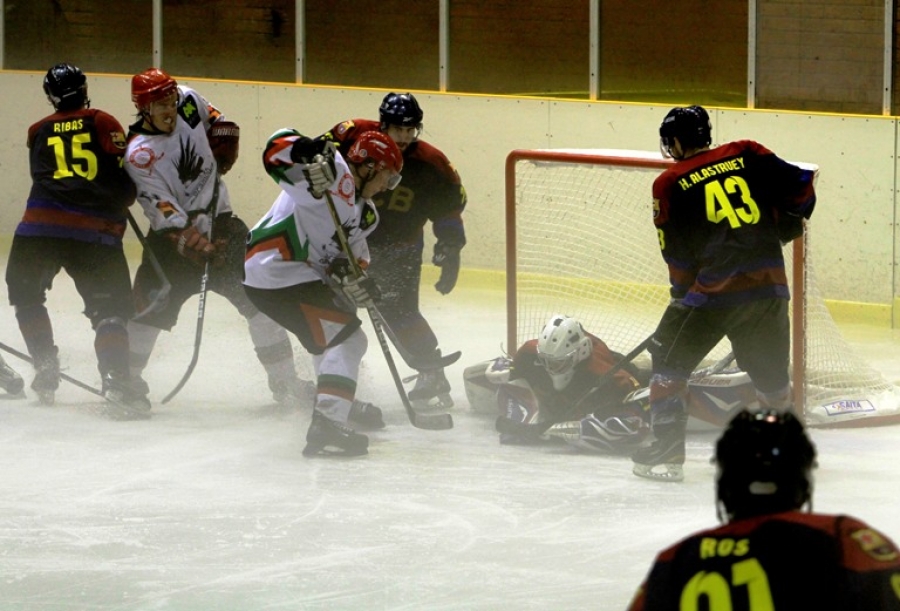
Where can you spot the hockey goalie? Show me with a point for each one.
(568, 385)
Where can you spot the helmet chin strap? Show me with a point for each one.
(363, 180)
(148, 122)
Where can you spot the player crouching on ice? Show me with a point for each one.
(568, 385)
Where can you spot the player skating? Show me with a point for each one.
(772, 552)
(74, 220)
(177, 171)
(721, 215)
(431, 191)
(298, 273)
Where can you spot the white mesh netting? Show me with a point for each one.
(585, 246)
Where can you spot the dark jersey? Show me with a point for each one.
(79, 189)
(559, 403)
(716, 214)
(429, 191)
(790, 560)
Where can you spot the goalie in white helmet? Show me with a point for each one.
(562, 375)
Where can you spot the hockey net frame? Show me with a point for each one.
(564, 196)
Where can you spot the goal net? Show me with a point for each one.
(580, 242)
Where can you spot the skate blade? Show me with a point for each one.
(126, 414)
(327, 451)
(46, 398)
(119, 410)
(665, 472)
(441, 402)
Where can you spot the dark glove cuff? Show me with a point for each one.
(304, 149)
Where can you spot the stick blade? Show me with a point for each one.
(432, 422)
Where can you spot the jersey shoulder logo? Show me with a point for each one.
(188, 109)
(874, 544)
(118, 139)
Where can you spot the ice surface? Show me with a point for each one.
(210, 504)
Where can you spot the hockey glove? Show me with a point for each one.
(789, 227)
(316, 160)
(224, 137)
(192, 245)
(446, 256)
(362, 292)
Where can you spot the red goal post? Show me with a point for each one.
(580, 241)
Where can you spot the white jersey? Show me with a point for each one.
(295, 242)
(176, 174)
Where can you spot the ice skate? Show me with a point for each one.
(125, 397)
(366, 416)
(432, 391)
(46, 379)
(663, 460)
(292, 390)
(327, 437)
(10, 381)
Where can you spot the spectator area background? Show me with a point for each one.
(822, 55)
(518, 78)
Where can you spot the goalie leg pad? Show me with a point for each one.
(611, 435)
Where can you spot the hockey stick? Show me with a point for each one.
(62, 376)
(535, 430)
(410, 359)
(162, 294)
(201, 306)
(436, 422)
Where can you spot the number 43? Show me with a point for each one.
(84, 162)
(718, 202)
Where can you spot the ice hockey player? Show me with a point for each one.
(770, 553)
(611, 419)
(431, 191)
(74, 220)
(299, 274)
(561, 376)
(177, 152)
(721, 215)
(10, 380)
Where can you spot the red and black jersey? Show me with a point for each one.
(561, 402)
(716, 214)
(430, 190)
(791, 560)
(79, 188)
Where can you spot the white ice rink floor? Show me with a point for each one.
(211, 506)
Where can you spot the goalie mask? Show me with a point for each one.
(562, 345)
(764, 465)
(692, 127)
(66, 87)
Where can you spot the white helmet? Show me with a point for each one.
(562, 345)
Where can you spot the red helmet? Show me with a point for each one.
(378, 149)
(150, 86)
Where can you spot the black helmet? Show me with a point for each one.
(400, 109)
(66, 87)
(765, 462)
(690, 125)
